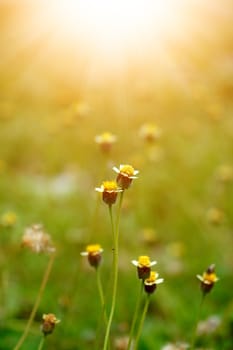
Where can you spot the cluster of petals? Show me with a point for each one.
(208, 279)
(36, 239)
(94, 254)
(151, 282)
(49, 322)
(110, 189)
(105, 140)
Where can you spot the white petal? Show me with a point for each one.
(134, 262)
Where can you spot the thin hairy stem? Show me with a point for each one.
(37, 302)
(115, 268)
(197, 320)
(41, 344)
(142, 322)
(135, 316)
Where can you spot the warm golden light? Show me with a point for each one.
(114, 27)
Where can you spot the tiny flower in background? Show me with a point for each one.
(176, 346)
(105, 140)
(215, 216)
(143, 265)
(49, 322)
(94, 254)
(151, 282)
(208, 279)
(109, 190)
(225, 173)
(150, 132)
(209, 326)
(126, 174)
(8, 219)
(37, 240)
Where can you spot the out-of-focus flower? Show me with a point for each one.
(94, 254)
(176, 346)
(225, 173)
(36, 239)
(209, 325)
(109, 190)
(81, 109)
(105, 141)
(121, 343)
(8, 219)
(215, 216)
(149, 236)
(49, 322)
(151, 282)
(208, 279)
(150, 132)
(126, 174)
(143, 265)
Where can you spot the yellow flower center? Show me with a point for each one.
(107, 137)
(127, 169)
(109, 185)
(152, 277)
(144, 260)
(93, 248)
(209, 277)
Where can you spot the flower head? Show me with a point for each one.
(36, 239)
(49, 322)
(208, 279)
(8, 219)
(151, 282)
(110, 190)
(150, 132)
(105, 140)
(94, 254)
(143, 265)
(126, 173)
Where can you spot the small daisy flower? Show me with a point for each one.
(208, 279)
(105, 140)
(37, 240)
(94, 254)
(126, 174)
(49, 322)
(143, 265)
(110, 190)
(8, 219)
(151, 282)
(215, 216)
(150, 132)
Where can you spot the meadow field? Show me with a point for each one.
(167, 102)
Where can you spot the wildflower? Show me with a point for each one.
(8, 219)
(110, 191)
(105, 140)
(215, 216)
(208, 279)
(126, 173)
(209, 326)
(94, 254)
(150, 132)
(49, 322)
(225, 173)
(37, 240)
(151, 282)
(143, 266)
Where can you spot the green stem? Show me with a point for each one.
(101, 294)
(142, 321)
(41, 343)
(115, 268)
(197, 320)
(37, 302)
(135, 316)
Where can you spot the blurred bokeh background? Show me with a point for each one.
(159, 76)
